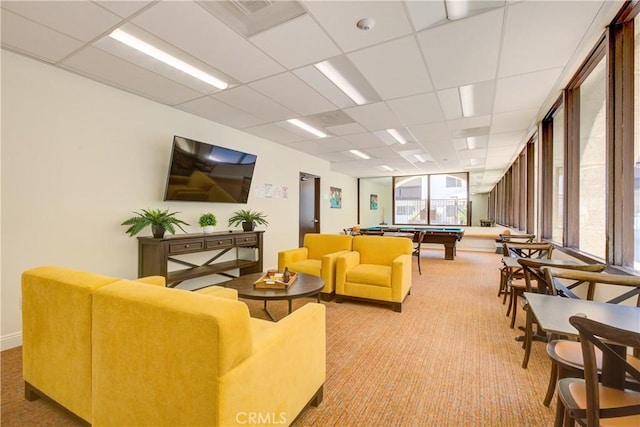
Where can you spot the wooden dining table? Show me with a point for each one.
(553, 313)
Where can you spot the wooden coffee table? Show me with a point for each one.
(304, 286)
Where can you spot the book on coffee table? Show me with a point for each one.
(265, 282)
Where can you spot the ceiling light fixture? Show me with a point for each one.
(360, 154)
(471, 142)
(396, 135)
(466, 100)
(343, 84)
(302, 125)
(456, 9)
(420, 158)
(387, 168)
(164, 57)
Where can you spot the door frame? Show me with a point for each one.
(304, 176)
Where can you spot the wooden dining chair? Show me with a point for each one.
(536, 280)
(515, 288)
(512, 247)
(566, 355)
(418, 236)
(601, 397)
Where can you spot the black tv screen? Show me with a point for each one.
(208, 173)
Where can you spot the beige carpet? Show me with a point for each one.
(449, 359)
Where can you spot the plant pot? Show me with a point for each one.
(248, 226)
(158, 231)
(207, 229)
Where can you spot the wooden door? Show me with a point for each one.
(309, 220)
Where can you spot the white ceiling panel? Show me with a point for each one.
(81, 20)
(401, 74)
(320, 83)
(107, 68)
(293, 93)
(542, 29)
(296, 43)
(276, 133)
(425, 14)
(123, 8)
(364, 140)
(254, 103)
(463, 52)
(217, 111)
(346, 129)
(200, 34)
(513, 120)
(417, 109)
(25, 36)
(525, 91)
(374, 116)
(506, 139)
(339, 19)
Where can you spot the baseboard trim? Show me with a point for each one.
(11, 341)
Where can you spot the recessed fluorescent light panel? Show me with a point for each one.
(396, 135)
(302, 125)
(342, 73)
(165, 58)
(387, 168)
(360, 154)
(458, 9)
(420, 158)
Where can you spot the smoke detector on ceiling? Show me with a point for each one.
(365, 24)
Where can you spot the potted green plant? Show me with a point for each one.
(159, 220)
(207, 221)
(248, 219)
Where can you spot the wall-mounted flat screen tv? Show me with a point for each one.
(208, 173)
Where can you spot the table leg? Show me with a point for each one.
(290, 305)
(273, 319)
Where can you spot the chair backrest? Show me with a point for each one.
(371, 232)
(381, 250)
(594, 334)
(323, 244)
(630, 285)
(533, 269)
(528, 250)
(517, 238)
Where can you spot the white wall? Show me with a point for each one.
(79, 156)
(479, 208)
(368, 217)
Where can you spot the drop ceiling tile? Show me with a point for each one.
(313, 147)
(374, 116)
(319, 82)
(364, 140)
(298, 42)
(424, 14)
(506, 139)
(81, 20)
(513, 120)
(540, 25)
(293, 93)
(417, 109)
(124, 8)
(339, 20)
(109, 69)
(249, 100)
(464, 51)
(333, 144)
(187, 26)
(346, 129)
(22, 35)
(402, 73)
(470, 123)
(431, 132)
(274, 133)
(219, 112)
(526, 91)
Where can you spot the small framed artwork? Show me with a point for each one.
(336, 197)
(373, 202)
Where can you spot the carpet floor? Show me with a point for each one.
(449, 359)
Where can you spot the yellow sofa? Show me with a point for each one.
(121, 352)
(378, 268)
(317, 257)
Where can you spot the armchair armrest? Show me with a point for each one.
(328, 269)
(285, 371)
(400, 277)
(344, 263)
(290, 256)
(153, 280)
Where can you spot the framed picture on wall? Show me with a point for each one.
(373, 202)
(336, 197)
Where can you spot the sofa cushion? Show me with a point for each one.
(380, 249)
(323, 244)
(371, 274)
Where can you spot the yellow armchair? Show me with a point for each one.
(317, 257)
(378, 268)
(169, 357)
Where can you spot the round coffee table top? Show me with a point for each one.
(305, 285)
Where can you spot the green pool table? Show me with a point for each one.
(447, 236)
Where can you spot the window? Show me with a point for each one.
(557, 177)
(636, 149)
(410, 195)
(592, 158)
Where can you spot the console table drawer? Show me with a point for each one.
(250, 240)
(186, 246)
(220, 243)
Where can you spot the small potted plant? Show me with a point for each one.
(248, 219)
(207, 221)
(159, 220)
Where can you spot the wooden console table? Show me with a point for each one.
(154, 255)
